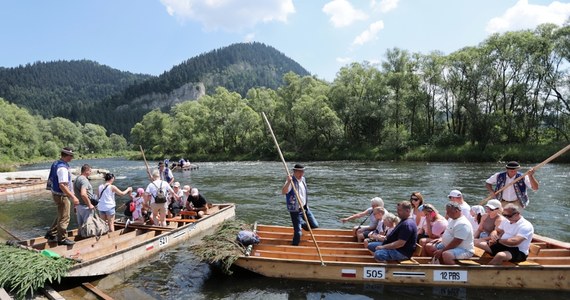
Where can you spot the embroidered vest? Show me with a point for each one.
(519, 186)
(291, 198)
(53, 181)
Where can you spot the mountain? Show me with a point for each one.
(61, 88)
(85, 91)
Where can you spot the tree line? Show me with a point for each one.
(25, 137)
(510, 89)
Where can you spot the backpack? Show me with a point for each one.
(160, 196)
(130, 206)
(246, 238)
(94, 226)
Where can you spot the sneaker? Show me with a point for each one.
(66, 242)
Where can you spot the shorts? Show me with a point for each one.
(110, 212)
(517, 255)
(458, 253)
(483, 235)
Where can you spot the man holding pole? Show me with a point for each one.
(514, 193)
(291, 192)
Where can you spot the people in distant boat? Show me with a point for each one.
(379, 231)
(159, 210)
(165, 173)
(511, 240)
(417, 201)
(363, 231)
(516, 193)
(175, 204)
(477, 212)
(456, 241)
(297, 206)
(140, 207)
(59, 182)
(401, 242)
(196, 202)
(489, 221)
(457, 197)
(107, 203)
(432, 227)
(84, 190)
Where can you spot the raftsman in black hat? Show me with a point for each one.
(512, 165)
(299, 167)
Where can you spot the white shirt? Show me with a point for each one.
(522, 228)
(459, 228)
(508, 193)
(152, 189)
(63, 177)
(301, 190)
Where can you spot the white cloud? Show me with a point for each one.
(248, 38)
(369, 34)
(384, 5)
(230, 15)
(344, 60)
(342, 13)
(527, 16)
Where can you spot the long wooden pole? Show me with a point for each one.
(8, 232)
(146, 164)
(540, 165)
(294, 188)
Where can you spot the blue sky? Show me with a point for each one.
(152, 36)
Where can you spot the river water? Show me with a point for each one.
(336, 189)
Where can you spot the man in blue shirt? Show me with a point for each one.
(401, 242)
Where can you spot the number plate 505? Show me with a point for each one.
(374, 273)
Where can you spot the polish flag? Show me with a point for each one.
(149, 247)
(351, 273)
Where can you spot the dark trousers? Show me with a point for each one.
(299, 223)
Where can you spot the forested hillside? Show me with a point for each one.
(88, 92)
(63, 88)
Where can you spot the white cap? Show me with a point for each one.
(493, 204)
(194, 192)
(454, 193)
(176, 184)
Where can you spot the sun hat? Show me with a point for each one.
(299, 167)
(493, 204)
(513, 165)
(67, 151)
(454, 193)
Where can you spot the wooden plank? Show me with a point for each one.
(181, 220)
(96, 291)
(50, 293)
(4, 295)
(554, 252)
(314, 257)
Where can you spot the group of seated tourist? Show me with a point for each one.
(499, 230)
(178, 198)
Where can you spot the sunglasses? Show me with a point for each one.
(414, 198)
(509, 216)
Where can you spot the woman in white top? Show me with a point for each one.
(107, 202)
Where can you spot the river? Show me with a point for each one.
(336, 189)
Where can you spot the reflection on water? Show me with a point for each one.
(336, 189)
